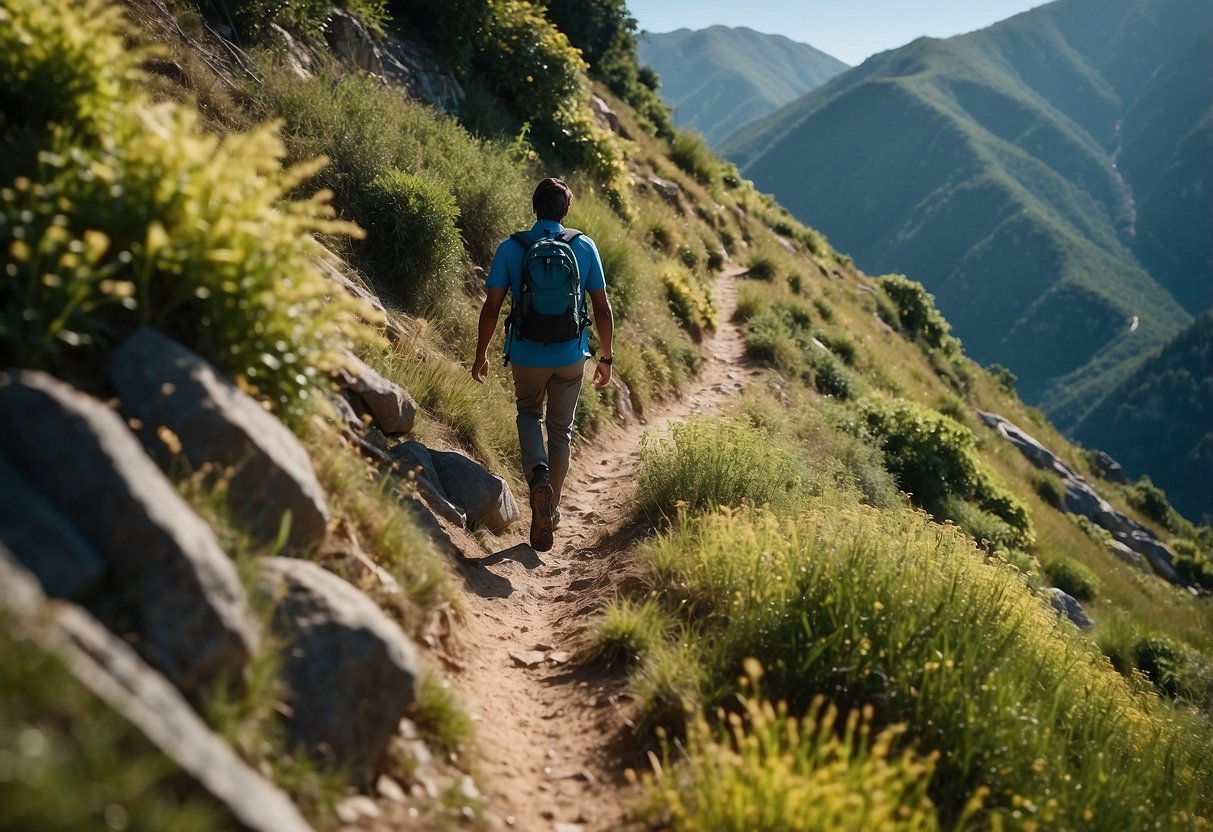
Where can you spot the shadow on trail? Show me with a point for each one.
(488, 584)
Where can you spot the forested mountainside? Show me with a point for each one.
(721, 78)
(264, 560)
(1047, 178)
(1160, 420)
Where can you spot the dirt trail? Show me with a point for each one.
(553, 739)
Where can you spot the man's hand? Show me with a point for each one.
(602, 375)
(480, 368)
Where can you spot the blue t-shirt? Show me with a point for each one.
(506, 272)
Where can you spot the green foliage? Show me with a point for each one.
(200, 244)
(933, 457)
(439, 716)
(690, 152)
(766, 769)
(1004, 378)
(411, 222)
(626, 632)
(70, 762)
(1049, 489)
(690, 302)
(307, 17)
(1072, 577)
(887, 610)
(605, 32)
(917, 315)
(762, 267)
(1193, 563)
(369, 131)
(714, 462)
(534, 66)
(1151, 501)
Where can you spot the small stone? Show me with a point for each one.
(467, 788)
(528, 658)
(559, 656)
(389, 789)
(354, 809)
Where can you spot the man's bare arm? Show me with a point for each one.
(604, 320)
(489, 313)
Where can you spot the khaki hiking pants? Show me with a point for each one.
(560, 387)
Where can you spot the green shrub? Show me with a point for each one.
(715, 260)
(1049, 489)
(916, 313)
(625, 632)
(690, 152)
(1072, 577)
(824, 309)
(714, 462)
(933, 457)
(1162, 659)
(990, 532)
(217, 260)
(411, 227)
(1004, 378)
(762, 267)
(1152, 502)
(796, 283)
(307, 17)
(1193, 564)
(750, 304)
(690, 302)
(829, 375)
(841, 345)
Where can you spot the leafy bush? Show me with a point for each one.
(626, 632)
(713, 462)
(411, 226)
(762, 267)
(1072, 577)
(990, 532)
(933, 457)
(916, 313)
(533, 64)
(1049, 489)
(201, 243)
(691, 303)
(690, 152)
(307, 17)
(1152, 501)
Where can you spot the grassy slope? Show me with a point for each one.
(658, 258)
(721, 78)
(984, 162)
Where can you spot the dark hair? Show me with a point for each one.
(552, 199)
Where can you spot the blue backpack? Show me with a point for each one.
(550, 308)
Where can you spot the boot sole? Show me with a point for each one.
(542, 498)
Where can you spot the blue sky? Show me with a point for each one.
(850, 30)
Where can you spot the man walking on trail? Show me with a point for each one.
(548, 271)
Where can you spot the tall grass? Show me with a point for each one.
(884, 609)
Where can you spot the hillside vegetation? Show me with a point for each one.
(829, 604)
(720, 79)
(1045, 178)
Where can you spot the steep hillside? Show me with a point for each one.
(1160, 420)
(812, 561)
(720, 79)
(987, 166)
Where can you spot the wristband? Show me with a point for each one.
(607, 361)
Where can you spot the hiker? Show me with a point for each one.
(549, 271)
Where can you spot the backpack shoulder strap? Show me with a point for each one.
(526, 238)
(568, 235)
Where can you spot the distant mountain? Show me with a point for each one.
(721, 79)
(1048, 178)
(1160, 420)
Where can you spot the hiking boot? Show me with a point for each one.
(542, 499)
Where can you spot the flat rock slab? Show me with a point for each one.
(529, 658)
(164, 563)
(351, 670)
(164, 385)
(111, 671)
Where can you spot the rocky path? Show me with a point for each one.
(553, 738)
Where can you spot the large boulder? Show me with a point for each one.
(45, 542)
(164, 563)
(111, 671)
(482, 495)
(351, 671)
(1109, 468)
(390, 406)
(164, 385)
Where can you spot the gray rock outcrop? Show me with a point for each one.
(44, 541)
(351, 670)
(1068, 605)
(164, 563)
(481, 494)
(1083, 500)
(1109, 468)
(164, 385)
(111, 671)
(393, 409)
